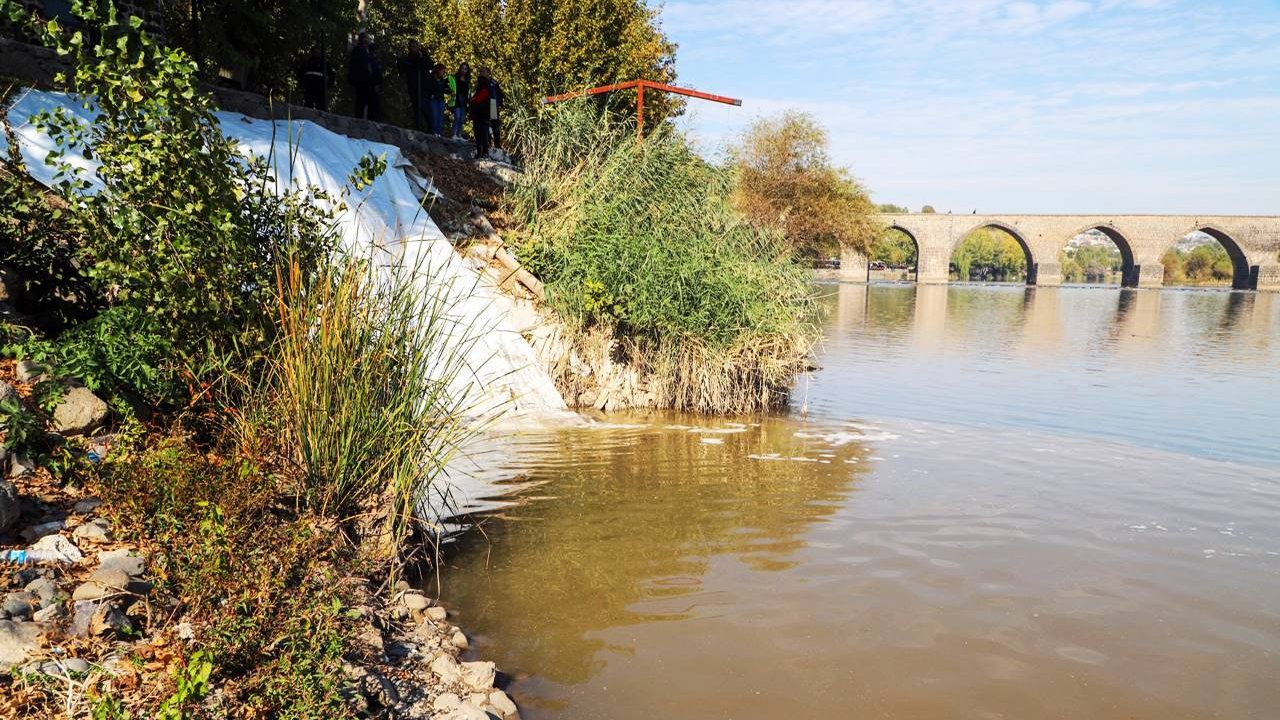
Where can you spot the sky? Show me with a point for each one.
(1065, 106)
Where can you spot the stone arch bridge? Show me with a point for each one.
(1252, 242)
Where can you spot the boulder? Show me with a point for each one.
(29, 372)
(459, 640)
(20, 465)
(10, 505)
(478, 675)
(122, 560)
(465, 711)
(98, 531)
(79, 412)
(87, 505)
(447, 669)
(111, 581)
(503, 705)
(44, 589)
(446, 702)
(19, 605)
(415, 601)
(437, 613)
(35, 532)
(110, 621)
(17, 641)
(7, 391)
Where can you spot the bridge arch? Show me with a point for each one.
(1241, 273)
(1009, 229)
(910, 235)
(1128, 268)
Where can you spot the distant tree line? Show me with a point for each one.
(1090, 263)
(1206, 264)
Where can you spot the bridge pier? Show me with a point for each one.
(1265, 278)
(854, 266)
(933, 265)
(1044, 274)
(1146, 275)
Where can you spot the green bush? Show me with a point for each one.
(644, 236)
(177, 231)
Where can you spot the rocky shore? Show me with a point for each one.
(89, 616)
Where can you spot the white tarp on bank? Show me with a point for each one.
(385, 221)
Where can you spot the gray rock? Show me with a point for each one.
(35, 532)
(82, 618)
(446, 702)
(7, 391)
(459, 640)
(110, 621)
(465, 711)
(87, 505)
(17, 641)
(10, 505)
(98, 531)
(19, 605)
(108, 581)
(29, 372)
(503, 704)
(447, 669)
(122, 560)
(72, 667)
(79, 412)
(379, 690)
(415, 601)
(44, 589)
(437, 613)
(20, 465)
(49, 613)
(478, 675)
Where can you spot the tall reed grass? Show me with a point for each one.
(367, 382)
(643, 238)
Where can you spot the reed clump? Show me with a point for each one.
(642, 238)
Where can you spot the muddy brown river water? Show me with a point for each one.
(1001, 503)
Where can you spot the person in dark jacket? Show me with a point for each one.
(416, 68)
(460, 84)
(495, 105)
(438, 97)
(316, 77)
(365, 74)
(480, 113)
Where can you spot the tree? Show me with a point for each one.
(989, 254)
(891, 208)
(894, 248)
(538, 48)
(928, 210)
(786, 180)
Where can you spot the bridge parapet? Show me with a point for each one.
(1252, 242)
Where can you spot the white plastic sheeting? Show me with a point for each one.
(385, 222)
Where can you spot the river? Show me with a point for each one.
(989, 502)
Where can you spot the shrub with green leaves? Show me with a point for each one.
(177, 230)
(644, 235)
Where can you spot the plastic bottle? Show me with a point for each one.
(33, 556)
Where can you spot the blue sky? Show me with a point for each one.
(1109, 106)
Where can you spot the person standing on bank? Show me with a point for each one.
(439, 94)
(460, 84)
(495, 104)
(480, 113)
(365, 74)
(316, 77)
(416, 68)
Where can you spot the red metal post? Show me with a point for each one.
(640, 86)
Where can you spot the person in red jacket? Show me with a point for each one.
(480, 113)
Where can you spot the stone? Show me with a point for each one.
(459, 640)
(10, 286)
(478, 675)
(446, 702)
(502, 704)
(7, 391)
(20, 465)
(10, 505)
(35, 532)
(82, 617)
(29, 372)
(49, 613)
(87, 505)
(19, 605)
(72, 667)
(79, 412)
(44, 589)
(98, 531)
(371, 637)
(57, 548)
(379, 690)
(480, 700)
(465, 711)
(17, 641)
(109, 620)
(447, 669)
(122, 560)
(102, 583)
(437, 613)
(415, 601)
